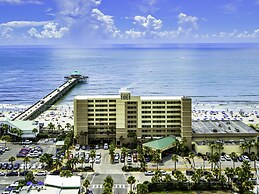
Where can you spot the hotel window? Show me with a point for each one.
(101, 115)
(171, 116)
(131, 107)
(132, 117)
(101, 105)
(145, 102)
(90, 115)
(101, 110)
(158, 121)
(112, 100)
(158, 112)
(158, 107)
(112, 119)
(131, 121)
(158, 116)
(146, 121)
(90, 119)
(112, 110)
(90, 100)
(146, 107)
(112, 105)
(100, 101)
(146, 112)
(173, 111)
(173, 102)
(146, 117)
(131, 112)
(112, 114)
(158, 102)
(158, 126)
(90, 105)
(146, 126)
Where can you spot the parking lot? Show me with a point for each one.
(14, 149)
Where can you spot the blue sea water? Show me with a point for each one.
(212, 74)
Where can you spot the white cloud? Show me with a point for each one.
(22, 24)
(104, 23)
(77, 9)
(19, 2)
(188, 23)
(132, 34)
(6, 33)
(149, 22)
(50, 31)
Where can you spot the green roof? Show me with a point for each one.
(161, 144)
(23, 125)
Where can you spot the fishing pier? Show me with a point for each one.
(45, 103)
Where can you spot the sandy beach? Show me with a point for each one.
(62, 114)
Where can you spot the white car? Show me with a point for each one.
(129, 159)
(105, 146)
(40, 173)
(149, 173)
(34, 166)
(97, 161)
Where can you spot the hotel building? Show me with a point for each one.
(119, 117)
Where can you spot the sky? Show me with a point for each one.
(96, 22)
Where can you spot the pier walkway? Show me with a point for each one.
(45, 103)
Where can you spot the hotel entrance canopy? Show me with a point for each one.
(161, 144)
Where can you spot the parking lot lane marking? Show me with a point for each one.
(92, 179)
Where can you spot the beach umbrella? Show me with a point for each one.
(29, 183)
(40, 183)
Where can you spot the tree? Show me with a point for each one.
(212, 145)
(47, 158)
(29, 177)
(19, 134)
(175, 160)
(142, 189)
(4, 129)
(66, 173)
(92, 155)
(233, 156)
(108, 185)
(51, 127)
(57, 163)
(11, 159)
(25, 161)
(156, 157)
(244, 183)
(86, 184)
(253, 157)
(6, 138)
(191, 156)
(131, 180)
(168, 178)
(197, 176)
(35, 131)
(112, 152)
(229, 172)
(123, 153)
(157, 178)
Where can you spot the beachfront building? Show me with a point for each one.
(28, 129)
(124, 116)
(232, 134)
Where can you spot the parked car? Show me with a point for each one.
(227, 157)
(2, 173)
(55, 172)
(105, 146)
(97, 160)
(27, 142)
(10, 167)
(149, 173)
(40, 173)
(16, 166)
(12, 173)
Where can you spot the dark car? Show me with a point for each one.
(55, 172)
(122, 159)
(23, 173)
(147, 159)
(20, 155)
(12, 173)
(16, 166)
(4, 166)
(10, 167)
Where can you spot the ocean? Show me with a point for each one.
(209, 74)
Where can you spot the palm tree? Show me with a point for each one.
(253, 157)
(229, 172)
(168, 178)
(156, 157)
(11, 159)
(4, 129)
(57, 163)
(212, 145)
(233, 156)
(197, 176)
(35, 131)
(175, 160)
(86, 184)
(191, 156)
(131, 180)
(68, 126)
(81, 160)
(250, 144)
(112, 152)
(66, 173)
(92, 155)
(51, 127)
(157, 178)
(243, 146)
(142, 189)
(123, 153)
(108, 183)
(25, 161)
(19, 134)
